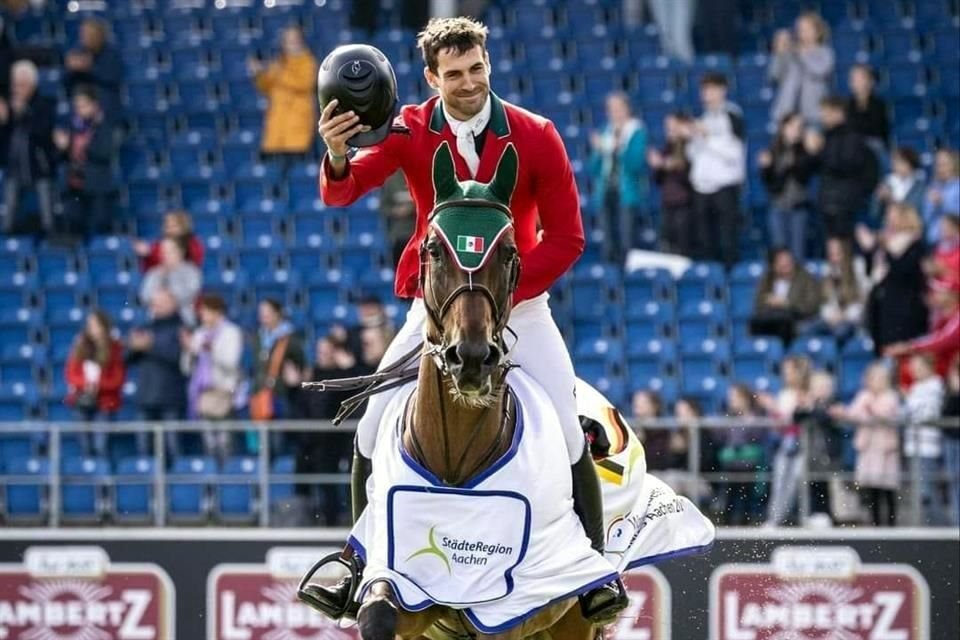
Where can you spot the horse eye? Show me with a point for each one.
(433, 248)
(510, 254)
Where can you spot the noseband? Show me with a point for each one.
(500, 312)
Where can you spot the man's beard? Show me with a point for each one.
(467, 107)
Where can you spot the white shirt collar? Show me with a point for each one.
(476, 124)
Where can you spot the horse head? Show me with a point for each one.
(469, 266)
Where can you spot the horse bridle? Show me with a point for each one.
(500, 314)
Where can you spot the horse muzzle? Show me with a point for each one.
(471, 364)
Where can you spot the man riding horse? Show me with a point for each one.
(468, 117)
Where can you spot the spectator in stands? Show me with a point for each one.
(671, 173)
(903, 184)
(786, 171)
(89, 149)
(397, 208)
(29, 156)
(174, 274)
(921, 440)
(97, 62)
(275, 346)
(847, 168)
(155, 350)
(177, 224)
(787, 295)
(895, 310)
(944, 264)
(618, 170)
(943, 194)
(867, 113)
(646, 406)
(674, 19)
(289, 84)
(741, 451)
(323, 452)
(717, 170)
(825, 453)
(95, 375)
(877, 442)
(843, 292)
(787, 462)
(802, 68)
(666, 447)
(371, 317)
(211, 357)
(951, 439)
(943, 340)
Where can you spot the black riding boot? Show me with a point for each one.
(336, 601)
(600, 605)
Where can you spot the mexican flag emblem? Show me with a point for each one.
(470, 244)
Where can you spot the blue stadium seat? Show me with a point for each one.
(13, 446)
(592, 287)
(652, 319)
(701, 319)
(83, 486)
(702, 281)
(27, 495)
(281, 490)
(822, 350)
(188, 492)
(236, 501)
(642, 285)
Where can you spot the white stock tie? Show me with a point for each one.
(466, 132)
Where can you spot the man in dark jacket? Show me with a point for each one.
(89, 149)
(98, 63)
(162, 388)
(26, 126)
(848, 169)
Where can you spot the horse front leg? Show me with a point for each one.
(377, 618)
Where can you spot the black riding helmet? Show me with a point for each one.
(362, 80)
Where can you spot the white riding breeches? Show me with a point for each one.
(539, 349)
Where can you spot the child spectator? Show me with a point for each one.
(181, 278)
(647, 407)
(825, 450)
(179, 226)
(95, 375)
(787, 295)
(904, 183)
(877, 443)
(741, 452)
(671, 172)
(945, 263)
(802, 68)
(921, 441)
(787, 461)
(786, 171)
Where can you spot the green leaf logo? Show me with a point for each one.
(432, 549)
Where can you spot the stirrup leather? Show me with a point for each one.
(320, 597)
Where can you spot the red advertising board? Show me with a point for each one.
(818, 593)
(76, 593)
(259, 601)
(648, 615)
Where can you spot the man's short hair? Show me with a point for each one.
(460, 34)
(25, 68)
(214, 302)
(834, 102)
(713, 79)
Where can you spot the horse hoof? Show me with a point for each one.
(377, 620)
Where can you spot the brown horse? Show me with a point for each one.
(460, 419)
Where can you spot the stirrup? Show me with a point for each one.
(602, 605)
(319, 597)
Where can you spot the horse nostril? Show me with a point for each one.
(473, 352)
(493, 356)
(452, 356)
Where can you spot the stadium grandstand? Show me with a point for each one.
(189, 126)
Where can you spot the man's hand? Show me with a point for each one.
(78, 61)
(776, 301)
(61, 138)
(140, 340)
(813, 141)
(764, 159)
(654, 159)
(896, 349)
(336, 130)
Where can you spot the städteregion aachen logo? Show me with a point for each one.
(432, 549)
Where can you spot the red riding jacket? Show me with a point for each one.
(546, 192)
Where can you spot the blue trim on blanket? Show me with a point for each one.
(519, 619)
(430, 477)
(670, 555)
(358, 547)
(508, 574)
